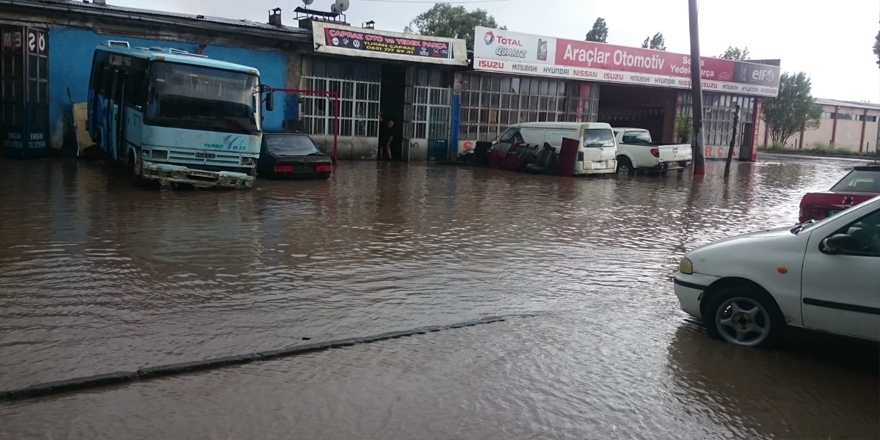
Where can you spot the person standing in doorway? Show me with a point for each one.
(386, 136)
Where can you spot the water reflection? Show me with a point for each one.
(97, 276)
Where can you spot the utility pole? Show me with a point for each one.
(732, 142)
(697, 92)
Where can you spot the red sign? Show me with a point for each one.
(628, 59)
(521, 53)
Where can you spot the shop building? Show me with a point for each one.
(48, 46)
(405, 78)
(844, 124)
(521, 77)
(441, 100)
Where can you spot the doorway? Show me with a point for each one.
(650, 108)
(393, 96)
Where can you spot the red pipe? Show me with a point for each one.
(335, 96)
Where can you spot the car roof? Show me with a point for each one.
(559, 125)
(629, 128)
(868, 167)
(180, 58)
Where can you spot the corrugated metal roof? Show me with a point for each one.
(849, 104)
(92, 7)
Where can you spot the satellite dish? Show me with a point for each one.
(342, 5)
(308, 2)
(334, 8)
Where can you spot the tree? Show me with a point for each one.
(877, 47)
(793, 109)
(445, 20)
(599, 32)
(735, 54)
(655, 42)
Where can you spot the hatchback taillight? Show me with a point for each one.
(323, 169)
(655, 152)
(284, 169)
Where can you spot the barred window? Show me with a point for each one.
(718, 112)
(359, 88)
(491, 102)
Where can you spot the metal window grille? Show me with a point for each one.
(490, 103)
(430, 113)
(718, 111)
(358, 107)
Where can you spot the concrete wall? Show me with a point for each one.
(70, 60)
(848, 133)
(349, 148)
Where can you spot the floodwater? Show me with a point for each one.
(97, 277)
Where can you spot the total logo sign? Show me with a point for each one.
(507, 47)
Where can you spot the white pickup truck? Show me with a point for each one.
(636, 152)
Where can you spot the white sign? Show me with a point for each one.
(513, 52)
(370, 43)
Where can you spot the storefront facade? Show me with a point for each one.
(523, 78)
(407, 78)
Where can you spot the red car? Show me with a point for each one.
(861, 184)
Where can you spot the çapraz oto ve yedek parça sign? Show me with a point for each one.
(513, 52)
(371, 43)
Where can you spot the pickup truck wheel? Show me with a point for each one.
(743, 315)
(624, 166)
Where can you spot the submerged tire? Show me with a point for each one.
(625, 166)
(744, 315)
(133, 169)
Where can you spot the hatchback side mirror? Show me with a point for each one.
(841, 243)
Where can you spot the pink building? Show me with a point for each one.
(845, 125)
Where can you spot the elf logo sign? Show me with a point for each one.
(757, 74)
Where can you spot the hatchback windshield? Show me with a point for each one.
(291, 144)
(598, 137)
(859, 181)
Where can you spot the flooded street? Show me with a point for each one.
(97, 276)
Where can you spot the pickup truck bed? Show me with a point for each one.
(636, 152)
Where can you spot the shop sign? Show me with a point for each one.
(513, 52)
(370, 43)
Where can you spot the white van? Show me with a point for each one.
(597, 153)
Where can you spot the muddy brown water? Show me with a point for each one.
(97, 276)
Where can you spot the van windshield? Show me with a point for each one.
(598, 137)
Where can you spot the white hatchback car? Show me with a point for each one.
(821, 275)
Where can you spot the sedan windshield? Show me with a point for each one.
(859, 181)
(598, 137)
(202, 98)
(294, 145)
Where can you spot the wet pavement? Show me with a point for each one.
(97, 276)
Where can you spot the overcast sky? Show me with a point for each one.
(831, 41)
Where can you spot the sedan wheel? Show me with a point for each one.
(743, 321)
(744, 316)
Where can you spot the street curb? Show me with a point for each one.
(123, 377)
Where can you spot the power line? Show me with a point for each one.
(430, 1)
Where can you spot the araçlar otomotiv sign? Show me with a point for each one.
(514, 52)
